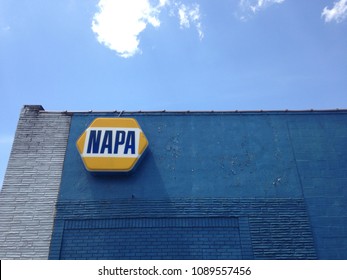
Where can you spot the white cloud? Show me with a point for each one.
(337, 13)
(162, 3)
(118, 23)
(250, 7)
(190, 15)
(182, 12)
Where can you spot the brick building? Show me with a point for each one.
(212, 185)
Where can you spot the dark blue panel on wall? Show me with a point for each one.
(166, 238)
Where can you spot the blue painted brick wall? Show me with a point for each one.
(319, 146)
(243, 229)
(281, 176)
(179, 238)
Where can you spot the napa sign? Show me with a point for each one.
(112, 145)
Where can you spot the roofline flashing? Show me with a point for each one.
(40, 109)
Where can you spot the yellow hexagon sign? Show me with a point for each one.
(112, 145)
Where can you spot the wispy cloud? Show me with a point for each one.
(337, 13)
(248, 8)
(118, 23)
(190, 15)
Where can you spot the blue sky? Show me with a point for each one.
(172, 55)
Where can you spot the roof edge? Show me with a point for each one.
(40, 109)
(160, 112)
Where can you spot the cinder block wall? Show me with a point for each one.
(31, 184)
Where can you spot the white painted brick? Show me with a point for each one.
(31, 184)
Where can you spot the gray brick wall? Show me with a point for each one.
(31, 184)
